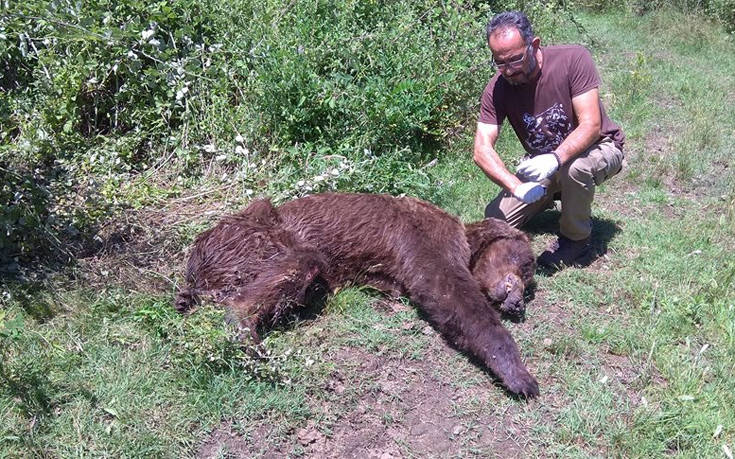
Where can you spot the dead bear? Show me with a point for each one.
(265, 260)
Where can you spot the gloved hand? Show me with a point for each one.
(539, 167)
(529, 192)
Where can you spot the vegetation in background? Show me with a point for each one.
(122, 114)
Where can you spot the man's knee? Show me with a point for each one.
(597, 165)
(509, 209)
(580, 172)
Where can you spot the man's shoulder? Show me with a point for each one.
(494, 86)
(565, 50)
(569, 60)
(495, 80)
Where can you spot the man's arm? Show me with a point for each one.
(488, 160)
(589, 123)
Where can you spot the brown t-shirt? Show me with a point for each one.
(541, 112)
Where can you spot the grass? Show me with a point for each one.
(634, 353)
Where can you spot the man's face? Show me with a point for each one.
(515, 59)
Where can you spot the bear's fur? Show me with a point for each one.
(265, 260)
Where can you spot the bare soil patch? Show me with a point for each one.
(399, 408)
(384, 405)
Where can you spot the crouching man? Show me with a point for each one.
(550, 96)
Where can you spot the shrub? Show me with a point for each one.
(97, 92)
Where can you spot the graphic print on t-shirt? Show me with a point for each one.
(548, 129)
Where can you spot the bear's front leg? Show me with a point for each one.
(463, 314)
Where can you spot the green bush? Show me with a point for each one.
(85, 87)
(94, 93)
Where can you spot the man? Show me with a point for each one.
(550, 96)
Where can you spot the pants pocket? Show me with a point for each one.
(607, 163)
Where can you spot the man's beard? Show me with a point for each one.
(532, 65)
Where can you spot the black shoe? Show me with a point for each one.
(565, 252)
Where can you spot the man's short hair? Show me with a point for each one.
(511, 19)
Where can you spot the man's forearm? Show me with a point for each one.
(491, 164)
(580, 139)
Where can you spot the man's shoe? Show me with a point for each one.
(565, 252)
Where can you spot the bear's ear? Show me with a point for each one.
(483, 233)
(260, 212)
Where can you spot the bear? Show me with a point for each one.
(266, 260)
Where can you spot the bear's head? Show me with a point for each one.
(502, 263)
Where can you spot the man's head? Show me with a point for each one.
(514, 47)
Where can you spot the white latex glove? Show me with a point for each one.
(529, 192)
(539, 167)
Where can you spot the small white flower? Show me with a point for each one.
(318, 178)
(220, 157)
(335, 172)
(181, 93)
(248, 192)
(154, 42)
(209, 148)
(239, 139)
(146, 34)
(132, 55)
(301, 183)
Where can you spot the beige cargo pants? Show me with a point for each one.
(576, 181)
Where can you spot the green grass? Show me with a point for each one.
(634, 354)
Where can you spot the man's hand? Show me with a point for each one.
(539, 167)
(529, 192)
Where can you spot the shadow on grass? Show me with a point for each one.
(31, 296)
(603, 231)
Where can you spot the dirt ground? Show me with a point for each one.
(405, 410)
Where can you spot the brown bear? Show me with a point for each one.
(265, 260)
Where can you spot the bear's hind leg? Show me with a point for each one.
(283, 283)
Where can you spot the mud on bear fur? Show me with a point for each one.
(265, 260)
